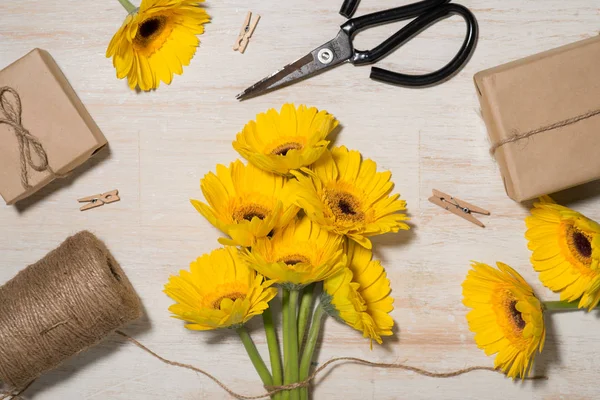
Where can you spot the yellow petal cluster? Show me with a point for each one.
(219, 291)
(345, 194)
(285, 141)
(156, 41)
(505, 316)
(566, 251)
(298, 254)
(359, 295)
(245, 202)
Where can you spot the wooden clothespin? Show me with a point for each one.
(246, 33)
(458, 207)
(98, 200)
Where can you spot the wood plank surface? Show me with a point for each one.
(163, 142)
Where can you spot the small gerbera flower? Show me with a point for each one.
(219, 291)
(566, 251)
(359, 295)
(245, 202)
(346, 195)
(285, 141)
(156, 40)
(506, 317)
(299, 254)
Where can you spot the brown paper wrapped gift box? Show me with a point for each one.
(546, 111)
(41, 118)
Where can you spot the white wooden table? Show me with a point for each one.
(162, 143)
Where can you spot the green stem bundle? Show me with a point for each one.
(309, 348)
(291, 373)
(128, 6)
(274, 353)
(304, 312)
(255, 357)
(560, 306)
(285, 315)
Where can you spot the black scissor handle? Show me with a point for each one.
(355, 25)
(427, 15)
(349, 8)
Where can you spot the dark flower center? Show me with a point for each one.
(283, 149)
(582, 244)
(249, 211)
(346, 207)
(294, 259)
(252, 214)
(516, 315)
(147, 37)
(233, 296)
(149, 27)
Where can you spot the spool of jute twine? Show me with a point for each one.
(60, 306)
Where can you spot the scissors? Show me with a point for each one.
(341, 49)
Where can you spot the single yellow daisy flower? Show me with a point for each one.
(285, 141)
(346, 195)
(156, 40)
(245, 202)
(566, 251)
(299, 254)
(359, 295)
(506, 317)
(219, 291)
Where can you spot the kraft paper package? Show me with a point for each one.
(542, 114)
(45, 130)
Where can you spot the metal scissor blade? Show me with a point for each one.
(320, 59)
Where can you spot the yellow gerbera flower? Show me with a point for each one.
(359, 295)
(299, 254)
(285, 141)
(245, 202)
(566, 251)
(506, 317)
(219, 291)
(156, 40)
(347, 195)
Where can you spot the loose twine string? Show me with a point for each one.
(12, 118)
(271, 390)
(519, 136)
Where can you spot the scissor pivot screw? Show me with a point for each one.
(325, 56)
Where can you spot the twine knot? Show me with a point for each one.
(516, 135)
(27, 142)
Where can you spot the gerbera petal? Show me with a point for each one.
(505, 316)
(334, 194)
(566, 250)
(154, 42)
(360, 295)
(219, 291)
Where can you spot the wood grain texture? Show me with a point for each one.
(162, 143)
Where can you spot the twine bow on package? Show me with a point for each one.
(45, 130)
(543, 118)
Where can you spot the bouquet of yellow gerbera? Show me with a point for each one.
(298, 215)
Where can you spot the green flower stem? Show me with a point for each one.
(285, 315)
(304, 313)
(128, 6)
(560, 306)
(309, 349)
(291, 345)
(274, 353)
(255, 357)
